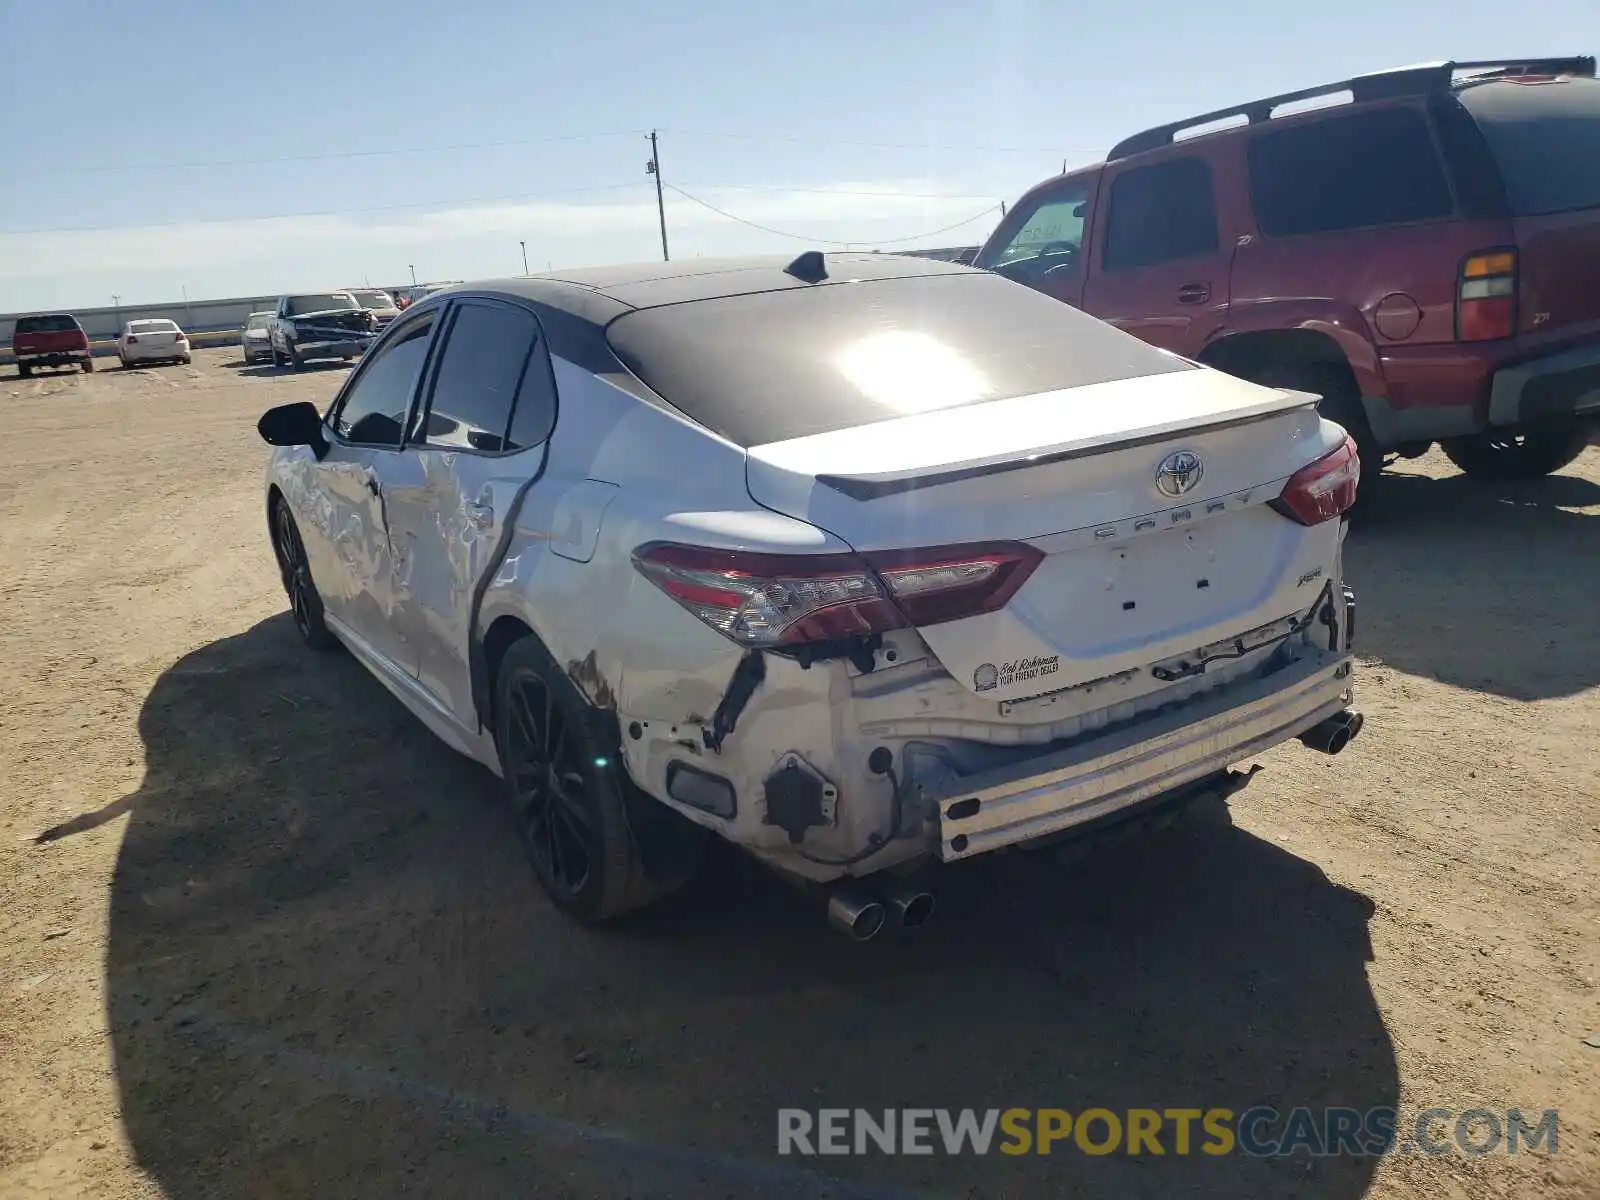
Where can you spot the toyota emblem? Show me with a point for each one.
(1179, 472)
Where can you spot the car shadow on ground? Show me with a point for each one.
(330, 974)
(1481, 585)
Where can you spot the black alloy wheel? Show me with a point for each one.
(304, 603)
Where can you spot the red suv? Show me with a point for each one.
(50, 340)
(1425, 255)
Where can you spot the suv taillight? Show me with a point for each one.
(1324, 489)
(784, 600)
(1486, 302)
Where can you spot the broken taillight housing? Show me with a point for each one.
(1324, 489)
(760, 599)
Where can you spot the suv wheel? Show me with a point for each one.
(24, 371)
(1341, 402)
(578, 814)
(1514, 454)
(88, 366)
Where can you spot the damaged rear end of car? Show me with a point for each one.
(1067, 576)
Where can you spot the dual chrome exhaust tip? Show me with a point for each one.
(861, 913)
(1334, 733)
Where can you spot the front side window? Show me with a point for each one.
(1050, 236)
(374, 410)
(1354, 171)
(484, 361)
(1161, 213)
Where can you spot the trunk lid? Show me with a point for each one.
(1130, 575)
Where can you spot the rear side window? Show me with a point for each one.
(1161, 213)
(492, 391)
(54, 323)
(1545, 138)
(1353, 171)
(785, 364)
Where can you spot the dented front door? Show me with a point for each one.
(347, 541)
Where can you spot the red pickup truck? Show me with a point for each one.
(1424, 255)
(50, 340)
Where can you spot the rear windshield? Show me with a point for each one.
(1545, 137)
(327, 303)
(373, 299)
(785, 364)
(151, 326)
(56, 323)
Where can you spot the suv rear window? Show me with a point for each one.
(1545, 138)
(776, 365)
(1353, 171)
(55, 323)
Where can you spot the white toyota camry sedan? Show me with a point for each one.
(864, 563)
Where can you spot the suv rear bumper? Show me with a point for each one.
(1455, 390)
(1553, 388)
(53, 358)
(1080, 784)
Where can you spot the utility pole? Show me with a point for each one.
(188, 313)
(413, 271)
(653, 167)
(524, 246)
(1002, 210)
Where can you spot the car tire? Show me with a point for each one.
(1341, 402)
(296, 363)
(88, 366)
(305, 605)
(187, 359)
(24, 371)
(1529, 454)
(272, 353)
(581, 821)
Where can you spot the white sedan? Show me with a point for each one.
(864, 563)
(154, 340)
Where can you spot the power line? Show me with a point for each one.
(806, 237)
(773, 187)
(608, 187)
(816, 141)
(326, 212)
(451, 148)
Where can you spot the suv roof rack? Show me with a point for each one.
(1380, 85)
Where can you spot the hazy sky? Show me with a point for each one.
(239, 148)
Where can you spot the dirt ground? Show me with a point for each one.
(261, 935)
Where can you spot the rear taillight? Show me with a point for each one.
(1486, 302)
(1324, 489)
(784, 600)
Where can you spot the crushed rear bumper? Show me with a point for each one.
(1082, 783)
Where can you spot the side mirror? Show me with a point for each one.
(293, 425)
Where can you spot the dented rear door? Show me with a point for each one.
(475, 446)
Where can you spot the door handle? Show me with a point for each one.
(1194, 293)
(481, 515)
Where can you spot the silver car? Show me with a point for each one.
(864, 563)
(254, 338)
